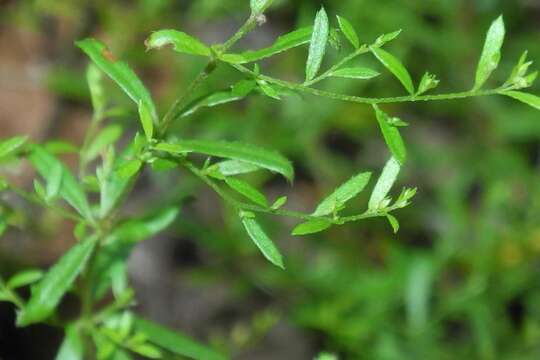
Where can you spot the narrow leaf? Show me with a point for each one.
(128, 169)
(247, 190)
(94, 79)
(233, 150)
(526, 98)
(395, 67)
(108, 136)
(10, 146)
(24, 278)
(317, 47)
(361, 73)
(119, 71)
(72, 347)
(491, 54)
(279, 203)
(342, 194)
(391, 136)
(54, 181)
(349, 32)
(385, 183)
(182, 42)
(393, 222)
(235, 167)
(49, 291)
(312, 227)
(263, 242)
(146, 120)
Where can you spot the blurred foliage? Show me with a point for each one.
(460, 279)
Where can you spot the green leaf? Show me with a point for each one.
(391, 136)
(283, 43)
(108, 136)
(181, 42)
(263, 242)
(60, 147)
(361, 73)
(94, 79)
(418, 292)
(215, 99)
(317, 47)
(72, 347)
(385, 38)
(128, 169)
(393, 222)
(119, 71)
(247, 190)
(384, 184)
(24, 278)
(278, 204)
(526, 98)
(70, 189)
(342, 194)
(349, 32)
(146, 120)
(148, 351)
(428, 82)
(235, 167)
(174, 341)
(46, 294)
(268, 90)
(395, 66)
(137, 230)
(312, 227)
(259, 6)
(10, 146)
(233, 150)
(491, 54)
(54, 181)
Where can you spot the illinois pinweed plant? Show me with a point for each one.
(94, 269)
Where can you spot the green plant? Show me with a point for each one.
(93, 265)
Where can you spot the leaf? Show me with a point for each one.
(391, 136)
(393, 222)
(94, 79)
(312, 227)
(268, 90)
(233, 150)
(395, 67)
(283, 43)
(46, 294)
(128, 169)
(10, 146)
(235, 167)
(278, 204)
(174, 341)
(146, 121)
(108, 136)
(137, 230)
(349, 32)
(70, 190)
(317, 47)
(355, 73)
(247, 190)
(491, 54)
(119, 71)
(72, 347)
(24, 278)
(526, 98)
(215, 99)
(259, 6)
(418, 292)
(385, 38)
(384, 184)
(263, 242)
(428, 82)
(60, 147)
(54, 181)
(342, 194)
(181, 42)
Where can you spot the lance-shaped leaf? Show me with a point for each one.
(361, 73)
(529, 99)
(250, 154)
(108, 136)
(395, 66)
(72, 347)
(97, 92)
(70, 189)
(175, 342)
(391, 135)
(181, 42)
(384, 184)
(342, 194)
(24, 278)
(283, 43)
(147, 122)
(247, 190)
(119, 71)
(234, 167)
(312, 227)
(491, 54)
(263, 242)
(10, 146)
(349, 32)
(47, 294)
(317, 47)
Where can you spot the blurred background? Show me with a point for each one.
(460, 280)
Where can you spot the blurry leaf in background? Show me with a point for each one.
(107, 136)
(72, 347)
(491, 54)
(384, 184)
(57, 281)
(345, 192)
(119, 71)
(349, 32)
(94, 78)
(128, 169)
(181, 42)
(263, 242)
(317, 47)
(418, 292)
(24, 278)
(391, 135)
(10, 146)
(526, 98)
(395, 66)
